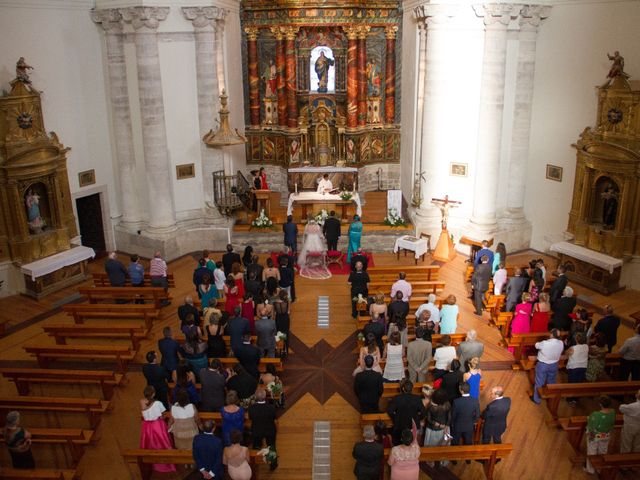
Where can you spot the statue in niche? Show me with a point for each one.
(32, 202)
(351, 151)
(22, 71)
(294, 152)
(617, 68)
(373, 79)
(322, 65)
(609, 206)
(270, 76)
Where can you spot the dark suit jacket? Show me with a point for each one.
(207, 453)
(464, 414)
(266, 333)
(359, 258)
(609, 326)
(198, 275)
(377, 329)
(481, 277)
(557, 287)
(212, 391)
(263, 419)
(368, 386)
(290, 231)
(331, 228)
(400, 307)
(451, 384)
(403, 408)
(244, 384)
(228, 259)
(495, 417)
(236, 328)
(561, 310)
(156, 376)
(257, 269)
(116, 272)
(249, 357)
(515, 287)
(185, 309)
(369, 456)
(169, 349)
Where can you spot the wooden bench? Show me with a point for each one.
(215, 416)
(611, 362)
(74, 438)
(121, 355)
(608, 466)
(93, 408)
(456, 339)
(145, 458)
(85, 311)
(424, 272)
(575, 430)
(156, 295)
(520, 342)
(23, 377)
(60, 332)
(488, 454)
(37, 474)
(417, 288)
(101, 279)
(229, 362)
(555, 392)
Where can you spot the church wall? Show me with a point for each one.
(571, 61)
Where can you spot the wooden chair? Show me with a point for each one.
(74, 438)
(335, 257)
(93, 408)
(121, 355)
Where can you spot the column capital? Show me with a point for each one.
(390, 32)
(204, 17)
(110, 19)
(144, 17)
(532, 15)
(351, 31)
(290, 32)
(435, 14)
(362, 31)
(497, 14)
(277, 32)
(252, 33)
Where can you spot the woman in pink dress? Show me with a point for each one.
(232, 298)
(154, 435)
(521, 317)
(405, 458)
(541, 314)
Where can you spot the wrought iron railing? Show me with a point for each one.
(231, 192)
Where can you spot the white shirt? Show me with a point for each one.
(631, 412)
(154, 412)
(325, 186)
(219, 278)
(499, 280)
(579, 358)
(443, 357)
(630, 349)
(549, 351)
(182, 412)
(435, 312)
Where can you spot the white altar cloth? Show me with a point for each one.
(50, 264)
(319, 197)
(323, 170)
(594, 258)
(417, 245)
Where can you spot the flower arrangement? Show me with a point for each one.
(393, 219)
(346, 195)
(321, 217)
(361, 337)
(281, 336)
(270, 456)
(275, 388)
(262, 221)
(359, 299)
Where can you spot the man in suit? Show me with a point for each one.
(465, 411)
(483, 251)
(169, 349)
(377, 329)
(248, 355)
(419, 354)
(359, 282)
(229, 258)
(237, 327)
(404, 408)
(515, 287)
(243, 383)
(263, 421)
(480, 282)
(495, 416)
(562, 308)
(255, 268)
(558, 285)
(116, 271)
(398, 306)
(207, 452)
(266, 333)
(156, 376)
(359, 257)
(469, 349)
(212, 390)
(609, 326)
(331, 230)
(188, 308)
(368, 455)
(368, 386)
(200, 272)
(290, 231)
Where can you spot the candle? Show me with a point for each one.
(296, 187)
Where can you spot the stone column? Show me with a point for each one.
(530, 19)
(254, 91)
(496, 20)
(290, 52)
(422, 67)
(362, 75)
(352, 75)
(145, 21)
(281, 80)
(390, 76)
(205, 22)
(111, 22)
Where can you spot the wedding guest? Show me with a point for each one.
(368, 455)
(18, 441)
(154, 435)
(608, 325)
(600, 424)
(449, 314)
(630, 357)
(630, 436)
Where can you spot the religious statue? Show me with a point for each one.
(373, 79)
(32, 202)
(351, 151)
(270, 76)
(416, 197)
(617, 68)
(444, 204)
(322, 66)
(22, 74)
(609, 206)
(294, 152)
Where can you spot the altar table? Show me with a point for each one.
(418, 246)
(313, 198)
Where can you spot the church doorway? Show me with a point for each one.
(89, 211)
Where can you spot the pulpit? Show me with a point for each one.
(263, 201)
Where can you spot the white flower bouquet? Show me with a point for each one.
(321, 217)
(281, 336)
(262, 221)
(393, 219)
(346, 195)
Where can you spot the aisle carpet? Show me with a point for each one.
(334, 268)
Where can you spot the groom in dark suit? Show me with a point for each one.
(495, 416)
(331, 231)
(207, 452)
(290, 230)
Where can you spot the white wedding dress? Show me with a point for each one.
(316, 265)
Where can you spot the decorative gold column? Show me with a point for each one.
(281, 80)
(390, 76)
(254, 93)
(290, 52)
(362, 74)
(352, 75)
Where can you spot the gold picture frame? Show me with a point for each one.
(186, 170)
(86, 178)
(458, 169)
(554, 173)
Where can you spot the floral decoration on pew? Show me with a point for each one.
(270, 456)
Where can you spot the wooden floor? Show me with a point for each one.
(317, 382)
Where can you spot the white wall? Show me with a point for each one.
(571, 61)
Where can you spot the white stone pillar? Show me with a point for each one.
(145, 21)
(111, 22)
(206, 21)
(422, 70)
(496, 19)
(530, 18)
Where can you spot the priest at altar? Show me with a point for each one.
(325, 185)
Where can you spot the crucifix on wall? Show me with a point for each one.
(444, 204)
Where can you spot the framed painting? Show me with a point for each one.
(86, 178)
(458, 169)
(187, 170)
(554, 172)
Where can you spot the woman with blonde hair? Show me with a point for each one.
(521, 322)
(449, 313)
(473, 377)
(427, 393)
(379, 307)
(541, 314)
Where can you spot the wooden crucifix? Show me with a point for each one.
(444, 204)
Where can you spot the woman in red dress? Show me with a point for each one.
(236, 274)
(154, 435)
(541, 314)
(263, 179)
(248, 309)
(232, 298)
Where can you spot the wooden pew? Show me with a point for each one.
(74, 438)
(488, 454)
(522, 341)
(229, 362)
(101, 279)
(555, 392)
(456, 339)
(608, 466)
(23, 377)
(93, 408)
(215, 416)
(145, 458)
(85, 311)
(418, 289)
(611, 363)
(575, 430)
(423, 272)
(121, 355)
(60, 332)
(37, 474)
(156, 295)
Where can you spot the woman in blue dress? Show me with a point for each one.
(232, 416)
(355, 234)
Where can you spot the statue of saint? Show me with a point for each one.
(22, 71)
(609, 206)
(32, 202)
(322, 66)
(270, 76)
(373, 80)
(617, 68)
(294, 152)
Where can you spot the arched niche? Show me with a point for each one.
(322, 58)
(37, 209)
(605, 202)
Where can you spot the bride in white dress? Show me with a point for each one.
(315, 265)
